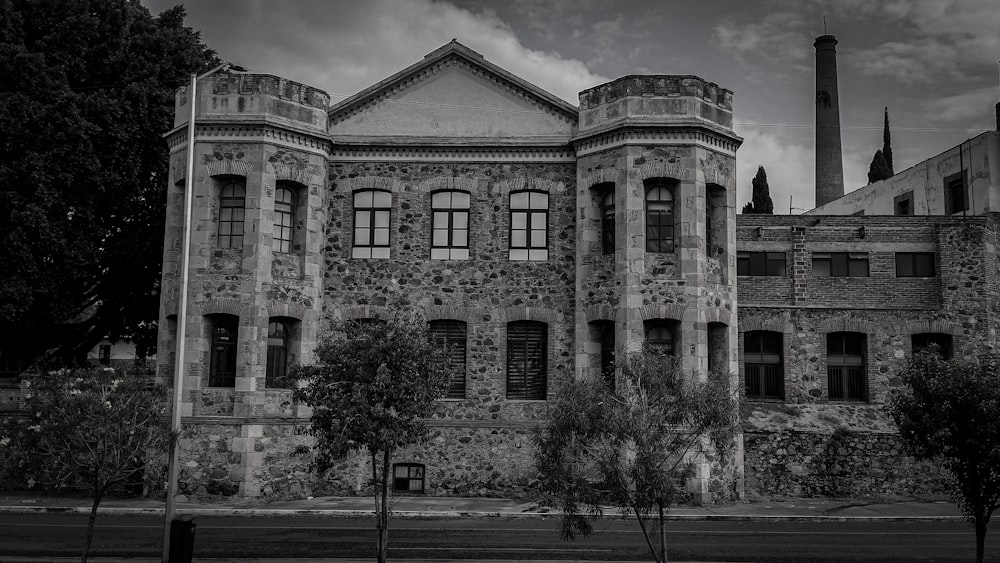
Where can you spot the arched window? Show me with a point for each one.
(845, 365)
(660, 337)
(529, 226)
(277, 354)
(371, 224)
(222, 372)
(232, 208)
(450, 234)
(608, 222)
(452, 335)
(284, 216)
(763, 368)
(659, 217)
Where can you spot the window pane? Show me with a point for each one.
(362, 237)
(441, 200)
(460, 219)
(758, 267)
(381, 237)
(858, 268)
(363, 199)
(460, 200)
(538, 255)
(382, 219)
(519, 200)
(518, 239)
(381, 199)
(380, 252)
(904, 266)
(440, 237)
(924, 265)
(460, 238)
(538, 239)
(538, 200)
(440, 219)
(518, 254)
(538, 221)
(362, 219)
(460, 254)
(518, 220)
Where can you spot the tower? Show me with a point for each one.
(829, 162)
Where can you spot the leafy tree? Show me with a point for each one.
(881, 166)
(86, 430)
(88, 90)
(373, 382)
(950, 412)
(631, 447)
(761, 200)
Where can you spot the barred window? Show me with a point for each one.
(763, 365)
(529, 226)
(452, 335)
(284, 215)
(450, 233)
(527, 360)
(232, 211)
(371, 224)
(845, 364)
(222, 372)
(760, 263)
(659, 218)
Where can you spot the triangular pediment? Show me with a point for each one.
(453, 95)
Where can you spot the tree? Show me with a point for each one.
(950, 412)
(373, 382)
(881, 166)
(761, 200)
(631, 447)
(86, 430)
(88, 91)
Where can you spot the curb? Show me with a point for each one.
(418, 514)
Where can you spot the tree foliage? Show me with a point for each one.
(631, 448)
(887, 141)
(761, 199)
(372, 384)
(86, 96)
(86, 430)
(881, 165)
(950, 412)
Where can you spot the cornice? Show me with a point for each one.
(452, 153)
(646, 135)
(405, 80)
(248, 132)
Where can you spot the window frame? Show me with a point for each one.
(841, 264)
(529, 251)
(454, 335)
(283, 235)
(232, 203)
(760, 263)
(656, 327)
(277, 354)
(222, 367)
(908, 264)
(765, 364)
(842, 365)
(666, 240)
(903, 202)
(921, 341)
(954, 185)
(409, 478)
(527, 343)
(607, 209)
(372, 210)
(450, 250)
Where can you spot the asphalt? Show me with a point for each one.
(457, 507)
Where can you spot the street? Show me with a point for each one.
(61, 535)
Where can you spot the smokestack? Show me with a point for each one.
(829, 162)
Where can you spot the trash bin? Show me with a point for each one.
(182, 539)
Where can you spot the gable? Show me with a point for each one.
(452, 98)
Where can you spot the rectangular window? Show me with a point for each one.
(760, 263)
(845, 364)
(762, 364)
(104, 355)
(529, 226)
(452, 335)
(915, 264)
(954, 194)
(408, 478)
(840, 264)
(450, 233)
(941, 343)
(903, 203)
(371, 224)
(527, 355)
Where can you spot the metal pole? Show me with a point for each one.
(175, 413)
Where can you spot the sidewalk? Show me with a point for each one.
(455, 507)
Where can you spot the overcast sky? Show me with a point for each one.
(932, 62)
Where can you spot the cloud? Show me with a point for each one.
(972, 105)
(774, 39)
(789, 162)
(343, 47)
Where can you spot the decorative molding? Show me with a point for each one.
(452, 312)
(617, 176)
(228, 167)
(450, 183)
(222, 306)
(671, 312)
(351, 185)
(274, 133)
(939, 326)
(456, 61)
(524, 183)
(289, 310)
(843, 324)
(450, 153)
(601, 312)
(663, 135)
(772, 324)
(511, 314)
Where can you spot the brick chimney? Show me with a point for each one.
(829, 162)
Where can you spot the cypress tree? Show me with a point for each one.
(887, 142)
(761, 199)
(879, 168)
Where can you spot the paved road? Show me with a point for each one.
(55, 535)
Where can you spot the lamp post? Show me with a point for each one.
(175, 414)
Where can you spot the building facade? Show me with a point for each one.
(542, 238)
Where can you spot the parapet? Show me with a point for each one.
(655, 99)
(244, 97)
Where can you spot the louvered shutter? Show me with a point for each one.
(452, 334)
(527, 360)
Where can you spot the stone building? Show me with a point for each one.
(543, 238)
